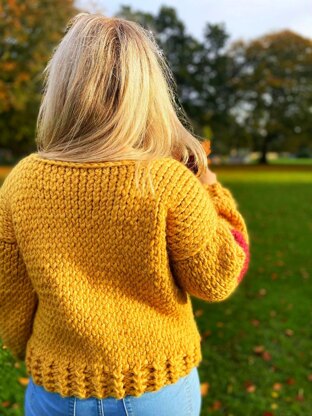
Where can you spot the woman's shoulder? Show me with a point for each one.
(14, 175)
(175, 180)
(170, 168)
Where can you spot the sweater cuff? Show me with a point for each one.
(227, 207)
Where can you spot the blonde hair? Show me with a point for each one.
(109, 94)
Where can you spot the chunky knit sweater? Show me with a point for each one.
(96, 278)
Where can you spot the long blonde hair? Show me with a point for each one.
(109, 94)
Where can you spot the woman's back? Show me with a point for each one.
(114, 316)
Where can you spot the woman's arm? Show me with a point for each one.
(208, 242)
(18, 299)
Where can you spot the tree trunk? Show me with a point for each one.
(264, 149)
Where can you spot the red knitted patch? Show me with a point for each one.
(241, 241)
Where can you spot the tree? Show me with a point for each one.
(28, 32)
(274, 90)
(202, 71)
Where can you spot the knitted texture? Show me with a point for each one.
(96, 279)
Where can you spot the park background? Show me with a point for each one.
(253, 99)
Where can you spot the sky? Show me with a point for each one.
(243, 19)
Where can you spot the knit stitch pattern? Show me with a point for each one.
(96, 279)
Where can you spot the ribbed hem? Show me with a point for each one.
(69, 379)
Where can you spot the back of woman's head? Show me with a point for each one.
(109, 95)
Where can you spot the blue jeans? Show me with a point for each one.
(182, 398)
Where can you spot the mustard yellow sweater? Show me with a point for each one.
(95, 279)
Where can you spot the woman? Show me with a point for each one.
(97, 266)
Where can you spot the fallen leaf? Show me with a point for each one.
(255, 322)
(5, 404)
(277, 386)
(273, 313)
(251, 388)
(267, 414)
(299, 396)
(310, 377)
(290, 381)
(274, 276)
(17, 364)
(204, 387)
(23, 381)
(274, 406)
(220, 324)
(266, 356)
(289, 332)
(199, 312)
(262, 292)
(258, 349)
(217, 405)
(274, 394)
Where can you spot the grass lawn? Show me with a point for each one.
(287, 160)
(257, 345)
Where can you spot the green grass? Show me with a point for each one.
(289, 160)
(276, 293)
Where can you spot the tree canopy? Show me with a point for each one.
(255, 95)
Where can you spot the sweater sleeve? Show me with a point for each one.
(207, 239)
(18, 300)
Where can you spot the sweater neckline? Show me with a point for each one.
(35, 156)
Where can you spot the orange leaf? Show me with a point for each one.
(217, 405)
(289, 332)
(266, 356)
(277, 386)
(299, 398)
(251, 388)
(5, 404)
(207, 146)
(23, 381)
(204, 387)
(259, 349)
